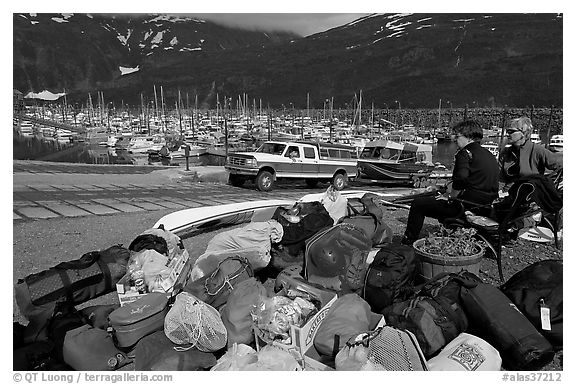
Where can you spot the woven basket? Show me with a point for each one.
(429, 265)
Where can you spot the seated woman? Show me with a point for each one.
(474, 181)
(523, 157)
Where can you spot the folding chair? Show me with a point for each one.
(505, 221)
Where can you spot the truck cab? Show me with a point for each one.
(310, 161)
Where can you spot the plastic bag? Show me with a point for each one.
(236, 358)
(335, 203)
(273, 317)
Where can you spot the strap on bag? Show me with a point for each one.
(245, 267)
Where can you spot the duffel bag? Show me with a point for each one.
(494, 318)
(91, 349)
(92, 275)
(435, 315)
(156, 352)
(390, 277)
(537, 291)
(131, 322)
(335, 258)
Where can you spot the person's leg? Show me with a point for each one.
(426, 207)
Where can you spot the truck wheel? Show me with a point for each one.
(264, 181)
(236, 180)
(312, 183)
(339, 181)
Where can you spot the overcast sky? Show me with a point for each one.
(303, 24)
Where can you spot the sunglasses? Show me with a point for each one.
(512, 130)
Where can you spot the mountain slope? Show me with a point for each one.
(415, 59)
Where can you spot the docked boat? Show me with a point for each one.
(194, 151)
(556, 143)
(389, 160)
(535, 138)
(143, 144)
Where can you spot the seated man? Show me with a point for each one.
(474, 180)
(523, 157)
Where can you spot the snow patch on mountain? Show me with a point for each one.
(126, 70)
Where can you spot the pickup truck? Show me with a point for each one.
(310, 161)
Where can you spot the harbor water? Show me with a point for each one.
(90, 153)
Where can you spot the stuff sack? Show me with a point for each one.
(236, 315)
(91, 349)
(494, 318)
(215, 288)
(252, 241)
(193, 323)
(348, 316)
(93, 274)
(156, 352)
(390, 277)
(466, 353)
(335, 258)
(535, 290)
(133, 321)
(385, 349)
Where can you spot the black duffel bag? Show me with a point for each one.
(535, 290)
(74, 282)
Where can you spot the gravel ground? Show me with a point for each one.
(38, 245)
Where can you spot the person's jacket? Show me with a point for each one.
(528, 159)
(476, 174)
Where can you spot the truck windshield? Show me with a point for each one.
(272, 148)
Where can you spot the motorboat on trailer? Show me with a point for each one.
(390, 160)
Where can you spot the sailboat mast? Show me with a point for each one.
(439, 109)
(155, 107)
(162, 103)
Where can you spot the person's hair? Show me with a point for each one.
(470, 129)
(524, 124)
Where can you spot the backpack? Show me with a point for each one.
(335, 258)
(367, 213)
(390, 277)
(435, 315)
(539, 284)
(378, 232)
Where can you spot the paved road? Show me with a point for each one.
(51, 190)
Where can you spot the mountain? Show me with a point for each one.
(407, 60)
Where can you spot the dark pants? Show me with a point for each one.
(423, 207)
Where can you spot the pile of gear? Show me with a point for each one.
(240, 308)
